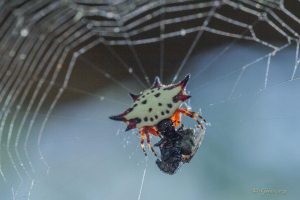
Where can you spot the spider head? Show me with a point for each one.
(166, 127)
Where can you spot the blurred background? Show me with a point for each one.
(66, 66)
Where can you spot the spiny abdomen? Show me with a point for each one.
(153, 106)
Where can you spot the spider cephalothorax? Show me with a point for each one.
(154, 105)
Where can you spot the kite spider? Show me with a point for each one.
(154, 105)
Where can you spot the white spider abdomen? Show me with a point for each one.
(154, 105)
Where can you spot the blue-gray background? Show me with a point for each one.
(253, 140)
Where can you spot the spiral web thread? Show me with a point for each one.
(37, 36)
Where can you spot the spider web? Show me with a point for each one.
(68, 65)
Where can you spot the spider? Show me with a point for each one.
(154, 105)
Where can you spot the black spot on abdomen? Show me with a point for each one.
(136, 120)
(144, 102)
(157, 95)
(170, 105)
(150, 109)
(170, 88)
(175, 99)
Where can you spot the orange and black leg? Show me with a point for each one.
(142, 141)
(176, 123)
(148, 141)
(146, 131)
(176, 118)
(153, 131)
(158, 133)
(192, 115)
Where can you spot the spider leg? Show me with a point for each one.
(159, 134)
(142, 142)
(193, 113)
(140, 132)
(148, 141)
(176, 117)
(191, 116)
(154, 131)
(178, 122)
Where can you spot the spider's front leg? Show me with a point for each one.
(191, 115)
